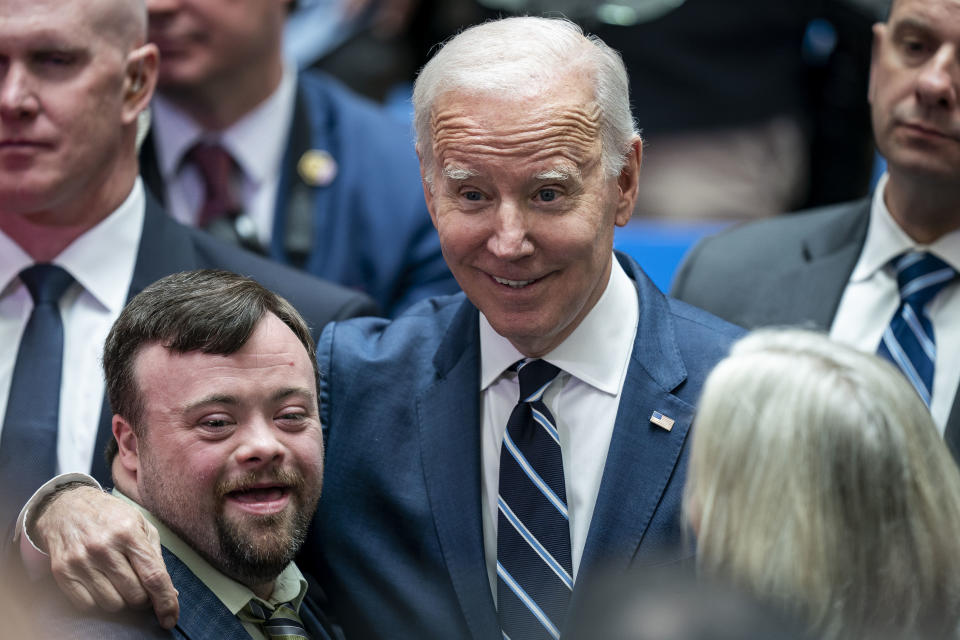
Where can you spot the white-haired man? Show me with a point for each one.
(451, 510)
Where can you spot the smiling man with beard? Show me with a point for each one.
(214, 391)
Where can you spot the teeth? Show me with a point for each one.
(516, 284)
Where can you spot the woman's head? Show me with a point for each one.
(818, 480)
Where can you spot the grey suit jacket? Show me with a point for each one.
(790, 270)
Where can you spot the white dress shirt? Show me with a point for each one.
(101, 262)
(256, 142)
(872, 297)
(583, 399)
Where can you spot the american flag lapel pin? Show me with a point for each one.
(661, 420)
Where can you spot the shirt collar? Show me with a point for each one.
(108, 281)
(599, 363)
(290, 585)
(13, 260)
(256, 142)
(886, 240)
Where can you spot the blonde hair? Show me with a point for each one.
(818, 481)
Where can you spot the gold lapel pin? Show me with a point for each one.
(317, 168)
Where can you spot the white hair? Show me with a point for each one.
(521, 56)
(818, 480)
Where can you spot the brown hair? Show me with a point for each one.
(207, 310)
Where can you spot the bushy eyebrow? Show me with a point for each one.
(458, 173)
(559, 173)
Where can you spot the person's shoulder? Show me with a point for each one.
(412, 335)
(694, 320)
(319, 301)
(747, 253)
(350, 112)
(768, 235)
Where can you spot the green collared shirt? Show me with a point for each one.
(290, 585)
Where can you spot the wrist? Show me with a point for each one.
(35, 523)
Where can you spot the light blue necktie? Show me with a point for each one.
(534, 567)
(28, 443)
(908, 341)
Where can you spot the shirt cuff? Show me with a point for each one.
(35, 561)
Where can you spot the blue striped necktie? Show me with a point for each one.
(534, 567)
(28, 443)
(908, 341)
(281, 623)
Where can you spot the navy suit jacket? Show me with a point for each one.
(790, 270)
(202, 615)
(397, 542)
(367, 229)
(167, 246)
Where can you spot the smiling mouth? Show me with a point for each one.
(259, 494)
(514, 284)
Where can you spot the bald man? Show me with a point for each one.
(78, 235)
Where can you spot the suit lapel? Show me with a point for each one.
(809, 291)
(165, 248)
(449, 415)
(293, 226)
(642, 456)
(202, 615)
(150, 169)
(951, 432)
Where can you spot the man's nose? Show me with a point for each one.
(18, 98)
(260, 443)
(939, 80)
(509, 239)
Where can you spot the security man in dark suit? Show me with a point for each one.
(879, 274)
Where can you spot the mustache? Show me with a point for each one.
(287, 478)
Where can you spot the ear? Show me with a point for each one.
(427, 188)
(876, 50)
(128, 454)
(140, 80)
(627, 183)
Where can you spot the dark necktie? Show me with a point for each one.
(281, 623)
(222, 212)
(217, 170)
(28, 443)
(534, 566)
(909, 341)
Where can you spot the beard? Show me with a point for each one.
(252, 549)
(257, 549)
